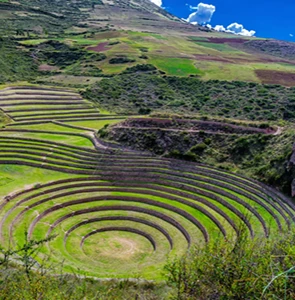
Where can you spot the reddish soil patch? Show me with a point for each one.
(232, 60)
(45, 67)
(239, 60)
(100, 47)
(276, 77)
(108, 35)
(226, 40)
(211, 58)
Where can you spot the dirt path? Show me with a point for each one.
(277, 132)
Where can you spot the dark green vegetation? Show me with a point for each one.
(17, 286)
(242, 269)
(135, 92)
(14, 63)
(61, 55)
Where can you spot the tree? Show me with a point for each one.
(25, 254)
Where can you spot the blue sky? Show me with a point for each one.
(268, 18)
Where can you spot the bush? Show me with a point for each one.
(103, 132)
(121, 60)
(199, 148)
(189, 95)
(236, 269)
(140, 68)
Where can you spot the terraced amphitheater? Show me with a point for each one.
(35, 105)
(115, 212)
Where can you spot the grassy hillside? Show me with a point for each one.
(39, 17)
(155, 37)
(141, 92)
(15, 64)
(212, 57)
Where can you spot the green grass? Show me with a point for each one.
(218, 47)
(17, 286)
(212, 71)
(49, 127)
(33, 42)
(16, 178)
(15, 64)
(175, 66)
(68, 140)
(96, 260)
(145, 34)
(146, 264)
(72, 253)
(80, 41)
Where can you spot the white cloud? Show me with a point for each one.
(291, 35)
(219, 28)
(235, 28)
(239, 29)
(203, 13)
(157, 2)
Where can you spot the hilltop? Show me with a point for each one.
(52, 17)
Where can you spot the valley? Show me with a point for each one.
(134, 146)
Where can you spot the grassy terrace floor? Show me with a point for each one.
(115, 212)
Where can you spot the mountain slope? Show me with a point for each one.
(41, 16)
(135, 32)
(139, 15)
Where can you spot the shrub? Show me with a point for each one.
(199, 148)
(140, 68)
(103, 132)
(236, 269)
(121, 60)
